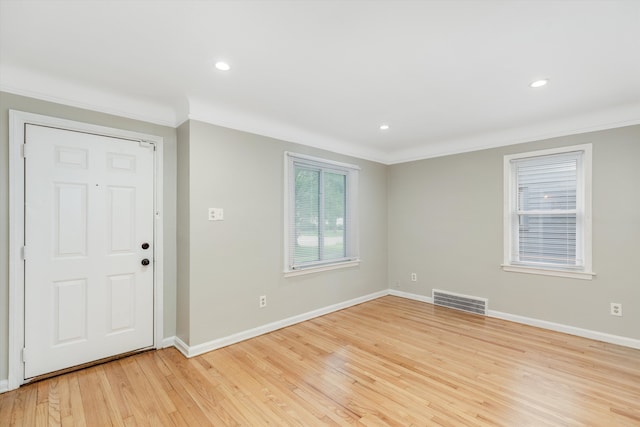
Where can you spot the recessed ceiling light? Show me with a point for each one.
(222, 66)
(539, 83)
(384, 127)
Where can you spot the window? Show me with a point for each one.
(547, 218)
(320, 214)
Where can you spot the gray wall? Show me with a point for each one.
(233, 262)
(445, 224)
(15, 102)
(440, 218)
(182, 240)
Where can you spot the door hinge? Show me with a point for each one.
(24, 355)
(24, 151)
(24, 252)
(148, 144)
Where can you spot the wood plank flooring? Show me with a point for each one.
(390, 361)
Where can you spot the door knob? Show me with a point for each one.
(145, 262)
(145, 246)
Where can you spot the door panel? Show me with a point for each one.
(122, 211)
(88, 209)
(70, 311)
(121, 303)
(70, 225)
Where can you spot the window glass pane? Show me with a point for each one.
(547, 183)
(306, 211)
(320, 213)
(549, 239)
(334, 215)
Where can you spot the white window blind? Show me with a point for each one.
(321, 224)
(548, 210)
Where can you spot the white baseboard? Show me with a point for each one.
(557, 327)
(168, 342)
(182, 347)
(190, 351)
(408, 295)
(4, 386)
(571, 330)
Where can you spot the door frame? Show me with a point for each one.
(17, 124)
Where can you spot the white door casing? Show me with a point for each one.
(92, 197)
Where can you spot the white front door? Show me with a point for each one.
(89, 213)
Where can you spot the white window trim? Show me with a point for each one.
(586, 272)
(326, 267)
(352, 208)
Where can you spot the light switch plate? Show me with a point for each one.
(216, 214)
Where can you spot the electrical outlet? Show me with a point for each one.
(216, 214)
(263, 301)
(616, 309)
(414, 277)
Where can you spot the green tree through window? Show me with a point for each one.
(319, 215)
(320, 220)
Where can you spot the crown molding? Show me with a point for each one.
(246, 122)
(25, 82)
(47, 88)
(619, 116)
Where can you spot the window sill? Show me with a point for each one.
(310, 270)
(548, 272)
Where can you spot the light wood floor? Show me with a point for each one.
(390, 361)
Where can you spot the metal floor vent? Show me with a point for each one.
(460, 302)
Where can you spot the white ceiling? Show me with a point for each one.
(447, 76)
